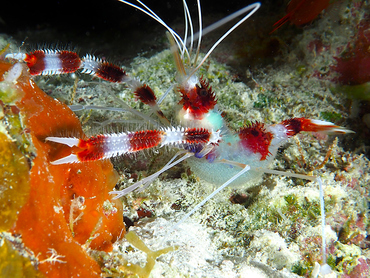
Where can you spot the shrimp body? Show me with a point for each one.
(215, 153)
(255, 145)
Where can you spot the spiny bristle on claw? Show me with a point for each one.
(199, 100)
(102, 69)
(256, 139)
(146, 95)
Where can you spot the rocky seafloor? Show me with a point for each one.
(271, 227)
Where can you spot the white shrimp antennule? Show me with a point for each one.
(146, 10)
(181, 43)
(252, 8)
(200, 32)
(188, 21)
(188, 24)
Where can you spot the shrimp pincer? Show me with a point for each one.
(105, 146)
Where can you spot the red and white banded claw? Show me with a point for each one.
(105, 146)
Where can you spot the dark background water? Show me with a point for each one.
(111, 27)
(97, 16)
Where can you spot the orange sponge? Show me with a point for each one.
(69, 208)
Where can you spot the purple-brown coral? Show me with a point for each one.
(353, 66)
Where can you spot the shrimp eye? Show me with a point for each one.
(255, 133)
(203, 93)
(199, 100)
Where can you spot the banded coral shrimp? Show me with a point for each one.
(260, 235)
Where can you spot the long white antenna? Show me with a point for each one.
(146, 10)
(200, 32)
(252, 8)
(188, 23)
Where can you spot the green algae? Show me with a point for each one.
(331, 116)
(300, 269)
(14, 188)
(14, 265)
(13, 124)
(262, 102)
(361, 91)
(14, 168)
(8, 93)
(348, 256)
(300, 209)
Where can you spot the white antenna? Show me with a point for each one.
(146, 10)
(200, 32)
(188, 23)
(252, 8)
